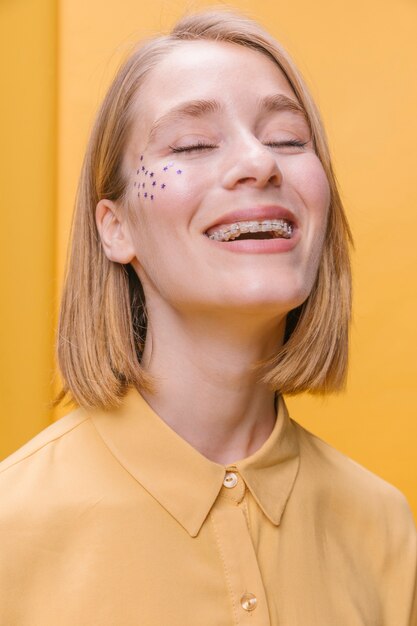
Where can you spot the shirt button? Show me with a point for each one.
(230, 480)
(248, 601)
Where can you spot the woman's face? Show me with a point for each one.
(219, 141)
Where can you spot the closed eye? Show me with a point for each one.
(198, 146)
(290, 143)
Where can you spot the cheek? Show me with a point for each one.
(313, 187)
(162, 188)
(150, 181)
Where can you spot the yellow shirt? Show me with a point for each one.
(112, 519)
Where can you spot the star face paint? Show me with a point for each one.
(142, 171)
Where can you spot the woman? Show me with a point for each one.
(208, 276)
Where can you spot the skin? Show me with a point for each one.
(214, 313)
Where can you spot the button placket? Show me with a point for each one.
(241, 566)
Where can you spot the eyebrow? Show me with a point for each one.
(280, 102)
(191, 108)
(200, 108)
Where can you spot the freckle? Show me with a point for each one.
(143, 184)
(179, 171)
(151, 197)
(145, 194)
(165, 168)
(163, 186)
(138, 194)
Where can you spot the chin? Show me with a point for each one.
(276, 299)
(290, 292)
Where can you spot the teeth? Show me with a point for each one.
(279, 228)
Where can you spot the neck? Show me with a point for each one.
(207, 389)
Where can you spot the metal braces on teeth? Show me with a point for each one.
(280, 228)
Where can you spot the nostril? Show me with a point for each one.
(276, 178)
(244, 180)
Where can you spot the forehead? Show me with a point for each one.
(209, 70)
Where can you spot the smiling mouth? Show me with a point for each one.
(265, 229)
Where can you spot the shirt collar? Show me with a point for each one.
(184, 481)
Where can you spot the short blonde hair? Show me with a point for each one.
(102, 322)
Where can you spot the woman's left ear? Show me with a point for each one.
(114, 233)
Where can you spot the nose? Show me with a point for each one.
(252, 163)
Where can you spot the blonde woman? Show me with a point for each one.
(208, 277)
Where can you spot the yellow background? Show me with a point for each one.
(359, 60)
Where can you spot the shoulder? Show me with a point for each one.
(352, 491)
(55, 470)
(43, 440)
(365, 525)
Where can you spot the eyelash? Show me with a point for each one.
(291, 142)
(198, 146)
(201, 146)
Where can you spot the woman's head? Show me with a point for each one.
(144, 200)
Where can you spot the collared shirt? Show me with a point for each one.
(110, 518)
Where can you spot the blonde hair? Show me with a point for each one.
(102, 322)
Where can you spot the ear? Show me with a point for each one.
(114, 233)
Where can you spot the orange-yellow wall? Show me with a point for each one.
(359, 59)
(28, 167)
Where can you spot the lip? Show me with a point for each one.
(258, 213)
